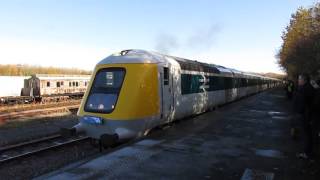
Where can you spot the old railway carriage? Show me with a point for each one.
(133, 91)
(46, 87)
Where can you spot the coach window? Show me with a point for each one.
(166, 76)
(77, 84)
(73, 83)
(58, 84)
(69, 84)
(85, 83)
(48, 84)
(243, 82)
(61, 83)
(234, 82)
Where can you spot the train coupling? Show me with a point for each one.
(108, 140)
(68, 132)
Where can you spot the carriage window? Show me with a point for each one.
(77, 84)
(58, 84)
(48, 84)
(85, 83)
(61, 83)
(69, 84)
(104, 91)
(166, 76)
(73, 83)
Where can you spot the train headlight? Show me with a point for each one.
(91, 120)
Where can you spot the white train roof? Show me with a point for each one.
(143, 56)
(134, 56)
(61, 77)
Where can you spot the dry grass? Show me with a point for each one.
(25, 107)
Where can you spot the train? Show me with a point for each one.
(11, 87)
(48, 87)
(134, 91)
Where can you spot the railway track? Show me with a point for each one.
(33, 148)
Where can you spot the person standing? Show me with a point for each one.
(316, 116)
(303, 105)
(290, 89)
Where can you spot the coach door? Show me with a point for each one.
(233, 87)
(167, 94)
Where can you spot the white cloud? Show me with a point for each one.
(69, 55)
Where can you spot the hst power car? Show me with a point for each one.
(133, 91)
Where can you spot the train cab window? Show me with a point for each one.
(166, 76)
(105, 90)
(58, 84)
(48, 84)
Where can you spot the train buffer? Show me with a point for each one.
(247, 139)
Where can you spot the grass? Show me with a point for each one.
(25, 107)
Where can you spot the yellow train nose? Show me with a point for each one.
(137, 98)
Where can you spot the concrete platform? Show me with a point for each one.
(248, 139)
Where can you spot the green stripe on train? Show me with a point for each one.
(191, 83)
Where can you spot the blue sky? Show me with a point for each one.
(242, 34)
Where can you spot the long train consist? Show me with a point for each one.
(49, 87)
(134, 91)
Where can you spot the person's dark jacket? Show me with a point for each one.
(316, 100)
(316, 106)
(304, 99)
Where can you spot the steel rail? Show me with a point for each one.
(28, 143)
(43, 149)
